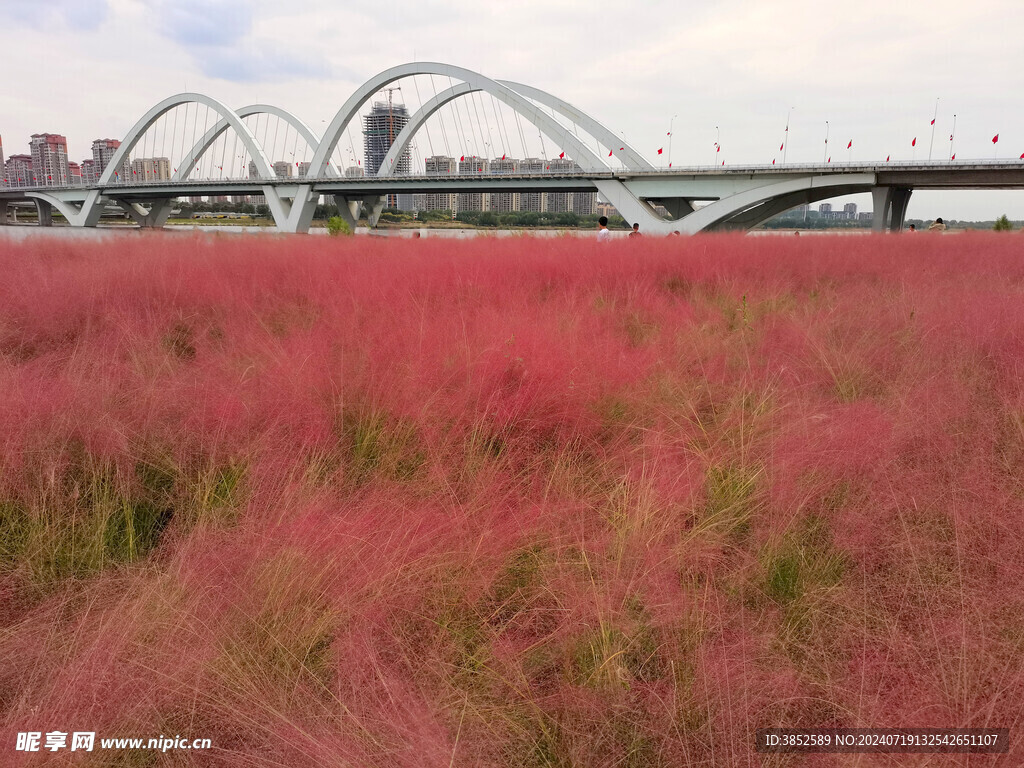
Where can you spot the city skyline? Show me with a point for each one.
(877, 74)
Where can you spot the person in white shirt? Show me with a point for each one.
(603, 232)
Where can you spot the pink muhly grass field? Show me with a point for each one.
(510, 502)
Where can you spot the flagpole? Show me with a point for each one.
(825, 155)
(951, 135)
(785, 147)
(670, 139)
(933, 128)
(718, 147)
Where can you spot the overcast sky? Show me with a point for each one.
(873, 69)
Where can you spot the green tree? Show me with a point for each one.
(338, 226)
(1002, 224)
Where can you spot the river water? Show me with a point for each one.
(22, 231)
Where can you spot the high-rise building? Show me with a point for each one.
(561, 202)
(584, 203)
(102, 153)
(18, 171)
(535, 202)
(504, 202)
(474, 201)
(825, 208)
(255, 174)
(441, 165)
(283, 169)
(354, 172)
(380, 127)
(89, 176)
(303, 169)
(50, 159)
(74, 174)
(3, 176)
(150, 169)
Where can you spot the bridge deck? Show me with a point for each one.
(982, 174)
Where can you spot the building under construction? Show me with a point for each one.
(380, 128)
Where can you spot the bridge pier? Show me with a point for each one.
(349, 210)
(45, 213)
(153, 217)
(677, 207)
(5, 209)
(376, 206)
(294, 216)
(889, 208)
(634, 210)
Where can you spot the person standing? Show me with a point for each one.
(937, 226)
(603, 233)
(636, 231)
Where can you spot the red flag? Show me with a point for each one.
(718, 148)
(562, 154)
(953, 157)
(462, 158)
(609, 153)
(995, 138)
(932, 122)
(850, 144)
(1022, 155)
(913, 142)
(669, 133)
(670, 165)
(502, 157)
(547, 167)
(781, 146)
(659, 150)
(829, 158)
(773, 161)
(887, 158)
(622, 149)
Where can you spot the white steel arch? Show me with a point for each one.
(404, 136)
(154, 114)
(203, 145)
(629, 156)
(634, 209)
(558, 133)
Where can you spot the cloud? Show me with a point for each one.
(198, 24)
(83, 15)
(255, 64)
(219, 36)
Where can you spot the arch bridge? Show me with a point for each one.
(696, 199)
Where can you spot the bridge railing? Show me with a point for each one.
(780, 169)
